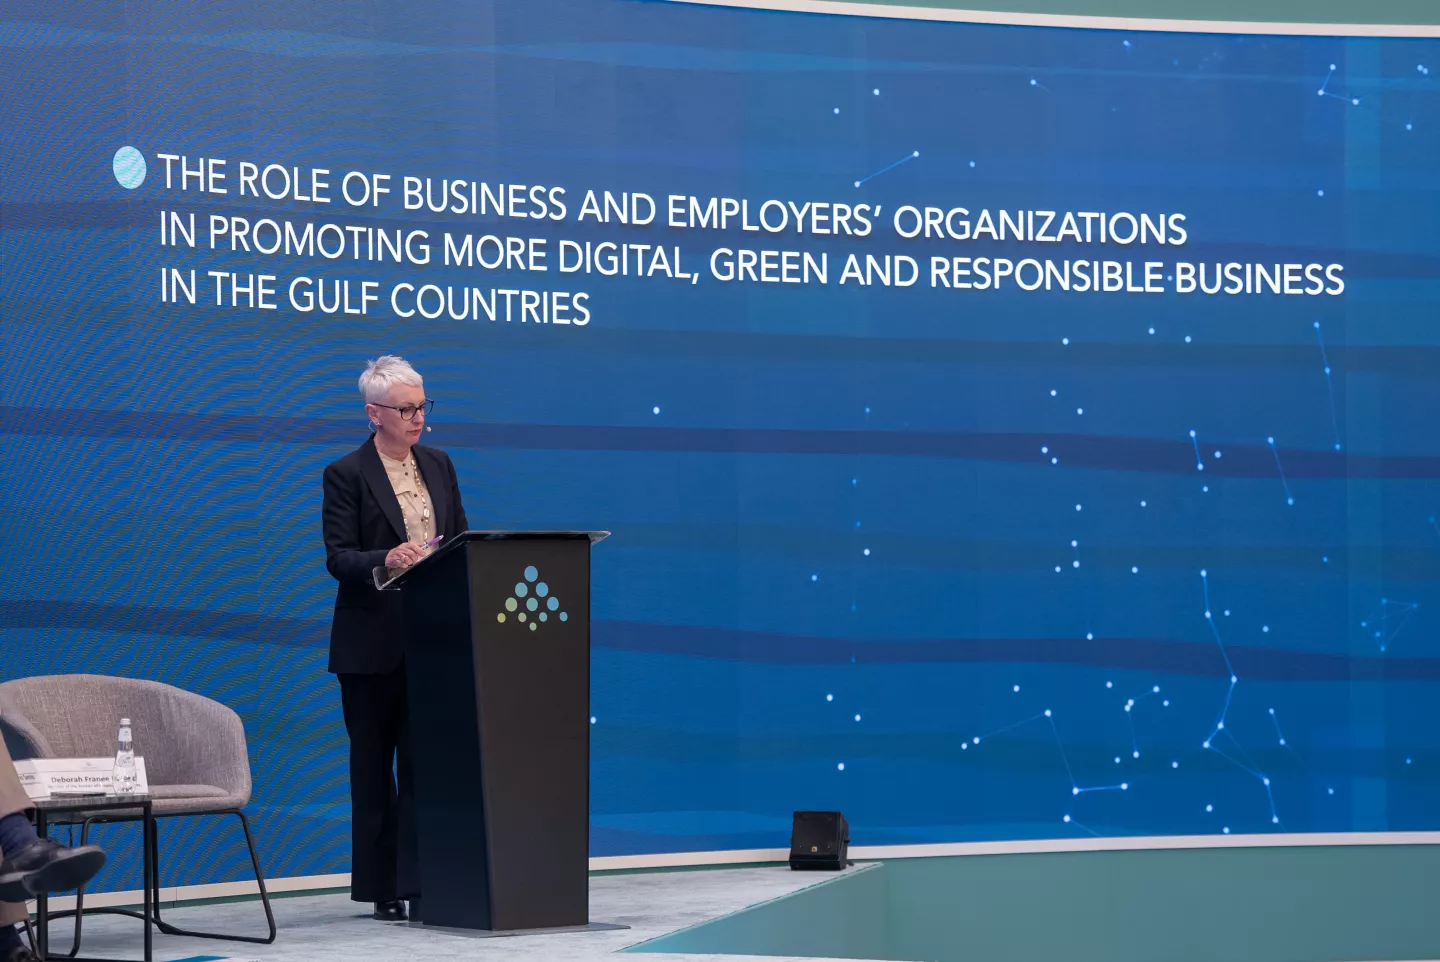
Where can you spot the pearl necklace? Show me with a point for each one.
(420, 489)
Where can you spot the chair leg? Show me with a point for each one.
(80, 894)
(169, 929)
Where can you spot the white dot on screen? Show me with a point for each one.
(1187, 338)
(972, 163)
(1134, 570)
(1226, 830)
(867, 552)
(1058, 569)
(1142, 504)
(1067, 818)
(1089, 636)
(1054, 460)
(1077, 507)
(1209, 808)
(814, 577)
(1017, 687)
(1079, 410)
(837, 110)
(592, 719)
(1152, 330)
(829, 697)
(1053, 392)
(1045, 450)
(1074, 544)
(1109, 684)
(655, 409)
(857, 717)
(857, 183)
(1064, 340)
(1174, 764)
(876, 91)
(1074, 564)
(840, 767)
(1320, 193)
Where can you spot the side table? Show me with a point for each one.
(46, 810)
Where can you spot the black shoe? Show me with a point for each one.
(393, 911)
(48, 866)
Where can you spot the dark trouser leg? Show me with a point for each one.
(374, 706)
(407, 867)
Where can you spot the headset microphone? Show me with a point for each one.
(428, 428)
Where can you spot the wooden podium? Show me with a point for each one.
(498, 662)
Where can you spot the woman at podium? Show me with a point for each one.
(388, 503)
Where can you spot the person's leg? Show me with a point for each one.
(407, 863)
(30, 864)
(372, 787)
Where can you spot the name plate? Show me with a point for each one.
(60, 777)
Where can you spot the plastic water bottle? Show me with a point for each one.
(123, 778)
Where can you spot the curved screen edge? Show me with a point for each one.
(850, 8)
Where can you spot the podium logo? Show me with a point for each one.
(532, 603)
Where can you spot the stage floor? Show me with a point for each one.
(330, 928)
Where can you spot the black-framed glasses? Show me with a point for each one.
(407, 412)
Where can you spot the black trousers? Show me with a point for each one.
(384, 864)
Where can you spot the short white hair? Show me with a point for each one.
(384, 373)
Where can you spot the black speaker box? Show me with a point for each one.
(819, 840)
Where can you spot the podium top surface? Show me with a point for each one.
(467, 536)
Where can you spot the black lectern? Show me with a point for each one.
(498, 662)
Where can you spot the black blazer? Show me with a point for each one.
(362, 522)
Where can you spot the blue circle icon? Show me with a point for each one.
(521, 589)
(531, 603)
(564, 616)
(542, 589)
(531, 574)
(552, 603)
(129, 167)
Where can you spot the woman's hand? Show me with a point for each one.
(404, 555)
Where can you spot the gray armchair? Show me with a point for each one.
(194, 748)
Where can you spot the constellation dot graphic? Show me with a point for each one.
(910, 156)
(1329, 386)
(1243, 762)
(1289, 498)
(840, 767)
(1199, 464)
(876, 91)
(655, 409)
(837, 110)
(1036, 83)
(1075, 787)
(1324, 90)
(1387, 619)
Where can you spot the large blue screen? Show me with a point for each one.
(975, 537)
